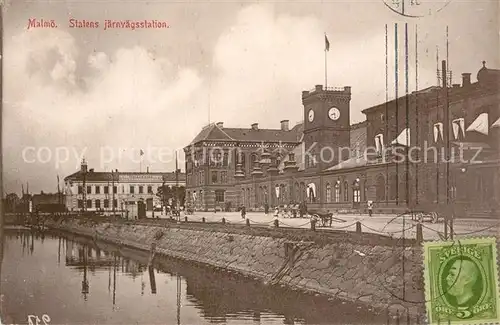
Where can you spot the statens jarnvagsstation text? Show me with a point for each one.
(104, 24)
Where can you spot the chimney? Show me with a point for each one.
(465, 79)
(220, 124)
(285, 126)
(147, 169)
(255, 126)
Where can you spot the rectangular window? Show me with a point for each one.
(80, 191)
(89, 189)
(132, 189)
(337, 194)
(80, 204)
(89, 203)
(150, 189)
(223, 177)
(214, 177)
(97, 189)
(106, 189)
(141, 189)
(115, 189)
(106, 203)
(97, 204)
(115, 203)
(219, 196)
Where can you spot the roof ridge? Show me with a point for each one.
(222, 130)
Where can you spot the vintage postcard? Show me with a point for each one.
(234, 162)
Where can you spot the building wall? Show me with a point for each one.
(425, 181)
(123, 192)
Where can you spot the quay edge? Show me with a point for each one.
(351, 270)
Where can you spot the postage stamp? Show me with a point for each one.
(461, 281)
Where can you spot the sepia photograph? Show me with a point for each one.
(250, 162)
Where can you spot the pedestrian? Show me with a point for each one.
(301, 210)
(370, 207)
(243, 212)
(276, 212)
(266, 208)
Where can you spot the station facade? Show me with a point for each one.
(431, 148)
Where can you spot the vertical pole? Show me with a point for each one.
(407, 126)
(417, 130)
(84, 190)
(446, 136)
(326, 66)
(396, 84)
(113, 191)
(177, 187)
(386, 127)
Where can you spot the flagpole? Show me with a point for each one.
(326, 66)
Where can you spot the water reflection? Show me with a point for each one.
(201, 294)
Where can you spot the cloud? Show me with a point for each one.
(128, 99)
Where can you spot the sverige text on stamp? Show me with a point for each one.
(461, 281)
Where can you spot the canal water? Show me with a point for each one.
(63, 279)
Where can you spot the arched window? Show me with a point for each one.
(346, 191)
(365, 190)
(243, 161)
(253, 159)
(404, 187)
(380, 188)
(337, 192)
(303, 192)
(328, 193)
(393, 187)
(248, 201)
(356, 191)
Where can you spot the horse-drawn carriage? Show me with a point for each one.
(325, 216)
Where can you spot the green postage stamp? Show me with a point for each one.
(461, 281)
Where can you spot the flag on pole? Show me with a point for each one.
(327, 44)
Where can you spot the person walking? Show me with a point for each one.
(370, 207)
(243, 212)
(266, 208)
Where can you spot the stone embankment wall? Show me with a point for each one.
(344, 266)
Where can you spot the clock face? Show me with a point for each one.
(334, 113)
(311, 115)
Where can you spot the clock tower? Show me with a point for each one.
(326, 126)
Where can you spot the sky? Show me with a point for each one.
(105, 95)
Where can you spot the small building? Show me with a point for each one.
(113, 191)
